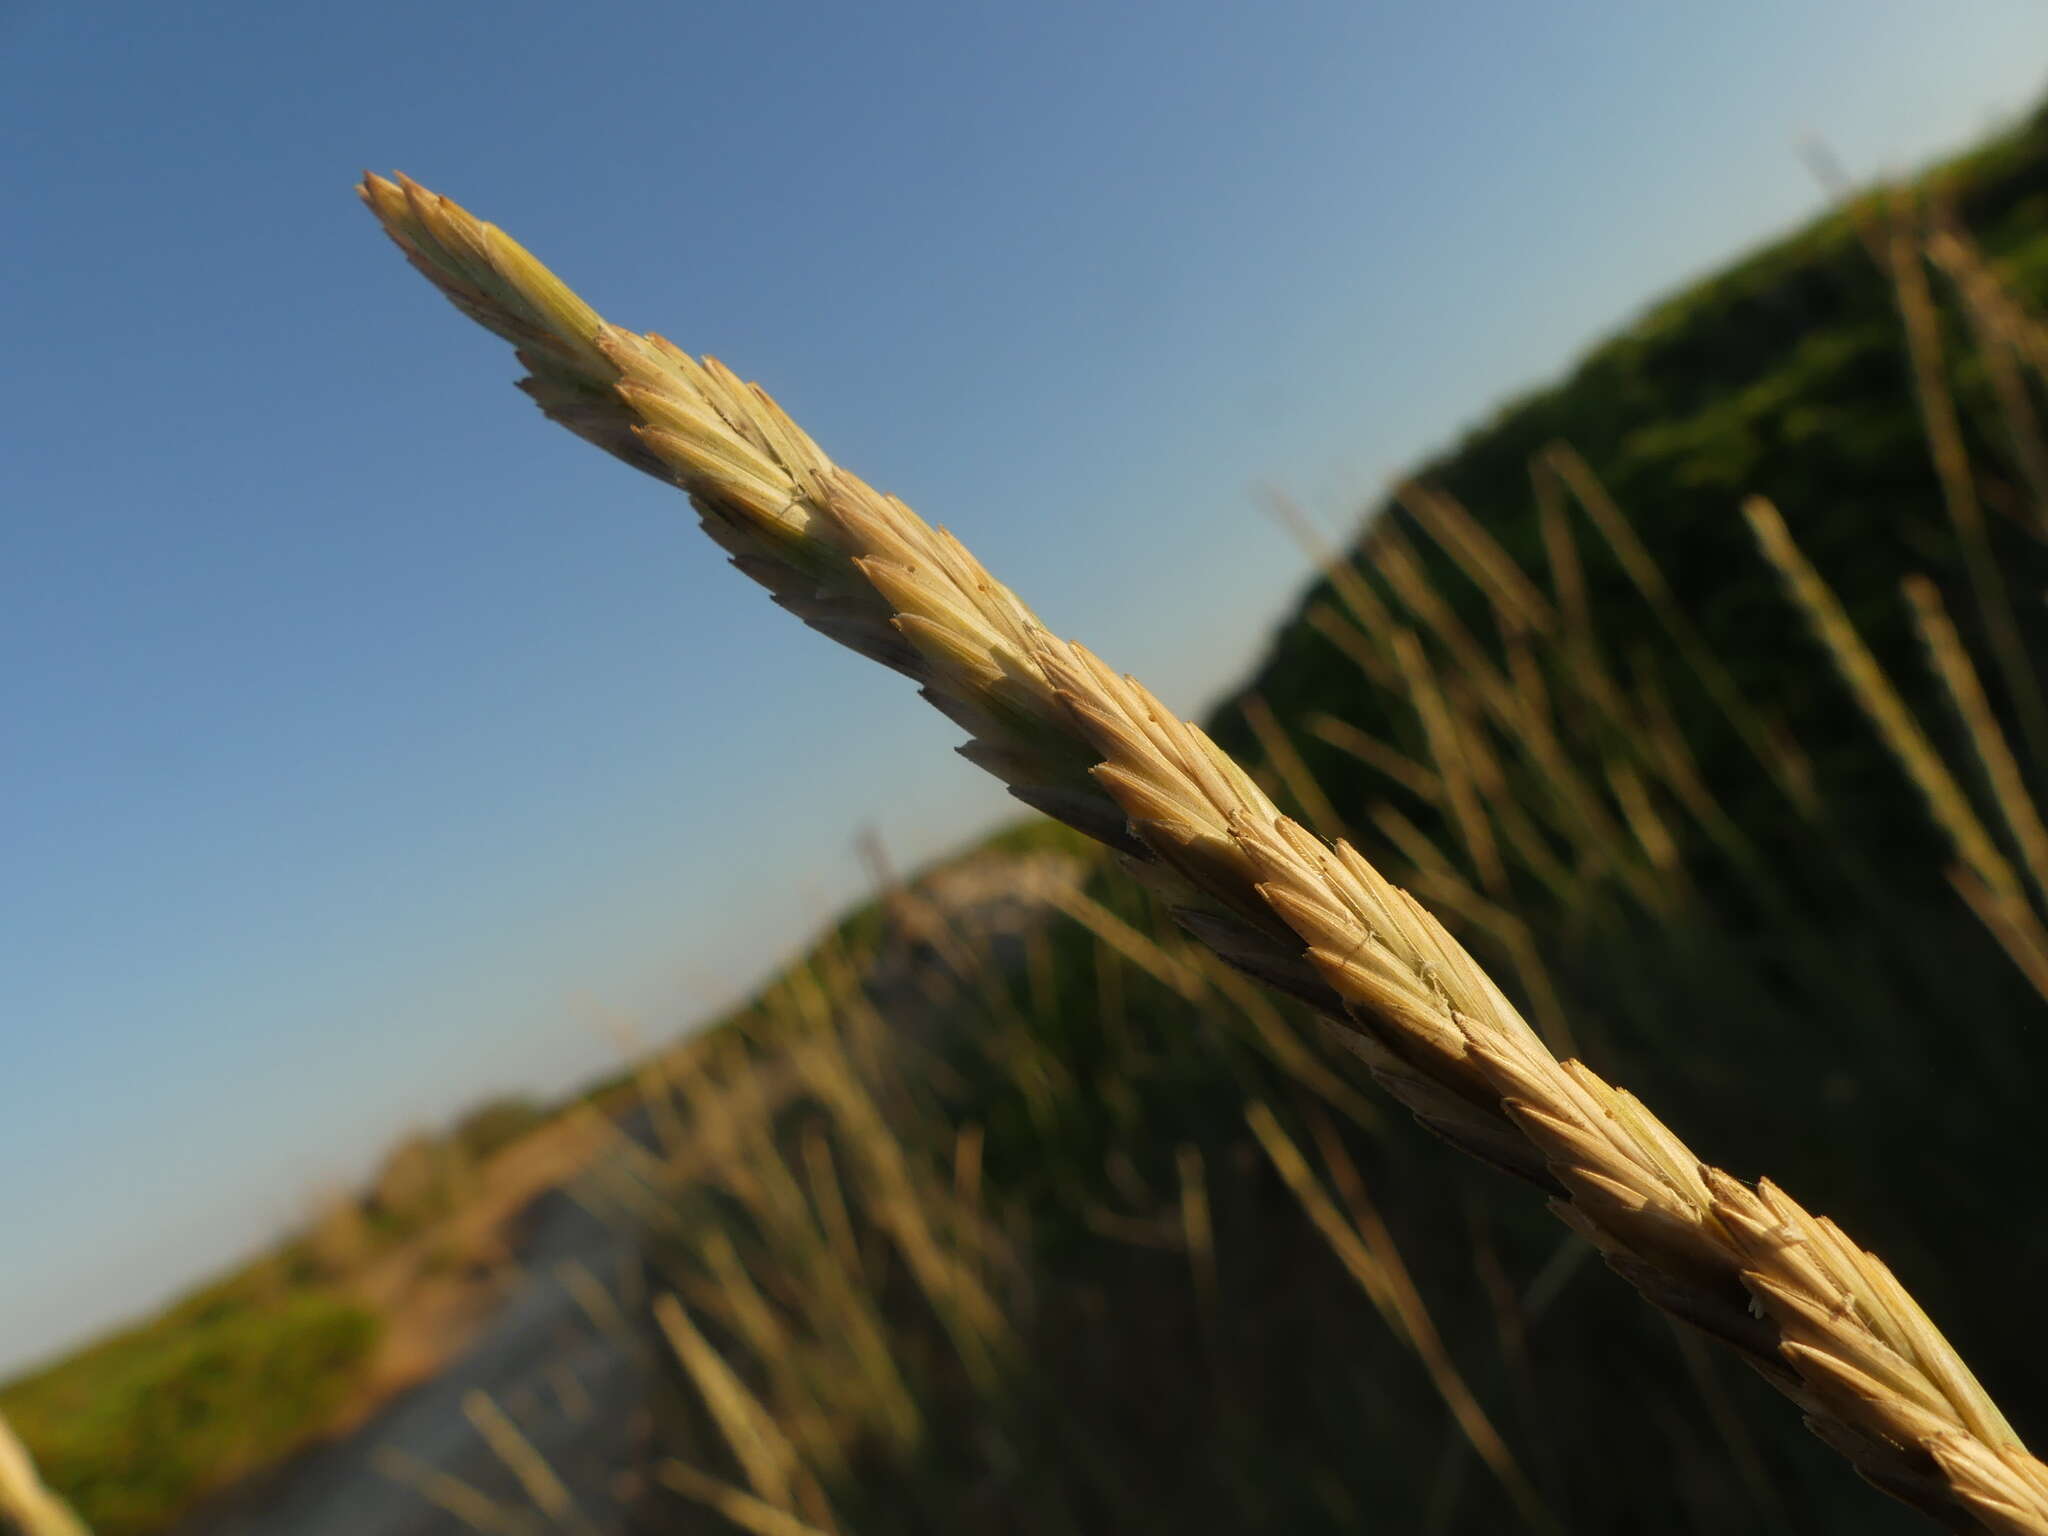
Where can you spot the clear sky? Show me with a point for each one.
(371, 745)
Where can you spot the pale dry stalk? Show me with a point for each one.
(24, 1502)
(1824, 1321)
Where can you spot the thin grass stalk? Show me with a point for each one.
(1423, 783)
(1819, 1318)
(658, 1097)
(773, 1344)
(1286, 761)
(1435, 870)
(816, 1232)
(1987, 738)
(970, 1313)
(764, 1453)
(1652, 836)
(1672, 760)
(1284, 1047)
(598, 1304)
(1397, 561)
(1368, 1251)
(1519, 833)
(2015, 928)
(1368, 612)
(1592, 684)
(1198, 1230)
(1959, 484)
(1111, 931)
(1577, 805)
(1359, 648)
(23, 1497)
(1771, 750)
(1476, 743)
(1569, 795)
(1468, 813)
(1561, 554)
(736, 1504)
(475, 1509)
(1526, 674)
(2008, 311)
(828, 1199)
(1880, 701)
(1629, 718)
(1999, 332)
(1518, 607)
(572, 1398)
(517, 1453)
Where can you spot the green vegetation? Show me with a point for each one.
(1787, 375)
(134, 1429)
(496, 1124)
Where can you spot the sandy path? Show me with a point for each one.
(572, 1390)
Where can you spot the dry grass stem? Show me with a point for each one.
(1771, 749)
(2002, 333)
(736, 1504)
(764, 1452)
(1517, 604)
(1958, 484)
(476, 1510)
(1294, 773)
(1866, 678)
(1365, 1247)
(519, 1456)
(1987, 738)
(1825, 1322)
(1382, 759)
(24, 1501)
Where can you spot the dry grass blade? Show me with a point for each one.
(970, 1313)
(736, 1504)
(1879, 700)
(1359, 648)
(1518, 606)
(1368, 1250)
(1198, 1228)
(547, 1491)
(1287, 762)
(1836, 1333)
(1958, 484)
(1117, 935)
(1363, 637)
(764, 1453)
(2001, 769)
(1792, 774)
(2001, 332)
(475, 1509)
(603, 1309)
(2017, 928)
(1454, 767)
(1378, 756)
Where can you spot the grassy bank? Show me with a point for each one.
(138, 1428)
(131, 1431)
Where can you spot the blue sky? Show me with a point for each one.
(373, 746)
